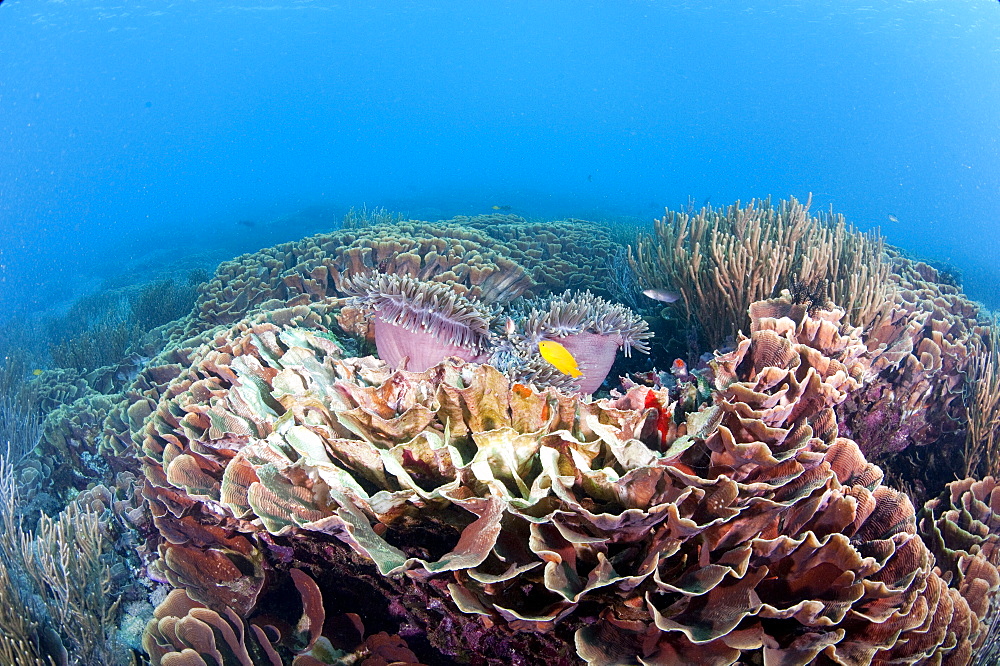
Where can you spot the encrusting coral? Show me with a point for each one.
(484, 514)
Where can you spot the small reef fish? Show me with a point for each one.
(893, 218)
(36, 372)
(501, 207)
(661, 295)
(509, 328)
(560, 357)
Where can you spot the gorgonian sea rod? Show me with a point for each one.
(563, 529)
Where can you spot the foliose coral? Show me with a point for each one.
(913, 395)
(487, 512)
(560, 254)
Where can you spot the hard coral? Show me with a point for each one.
(491, 258)
(185, 632)
(909, 413)
(490, 513)
(311, 270)
(560, 254)
(962, 526)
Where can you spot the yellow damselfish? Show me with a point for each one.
(560, 357)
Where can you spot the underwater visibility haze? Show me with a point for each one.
(511, 332)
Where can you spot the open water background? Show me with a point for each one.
(139, 135)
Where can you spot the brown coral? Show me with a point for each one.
(311, 269)
(962, 527)
(586, 526)
(184, 632)
(491, 258)
(921, 349)
(722, 260)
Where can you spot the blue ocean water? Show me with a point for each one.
(135, 133)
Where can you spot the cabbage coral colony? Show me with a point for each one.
(457, 500)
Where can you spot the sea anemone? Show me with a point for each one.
(591, 328)
(417, 324)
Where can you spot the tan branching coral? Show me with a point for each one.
(603, 530)
(722, 260)
(56, 599)
(982, 400)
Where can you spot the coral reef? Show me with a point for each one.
(185, 631)
(910, 414)
(491, 258)
(722, 260)
(289, 500)
(480, 512)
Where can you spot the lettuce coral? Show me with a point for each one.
(487, 513)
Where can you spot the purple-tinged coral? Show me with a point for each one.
(909, 413)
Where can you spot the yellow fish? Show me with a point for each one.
(36, 372)
(560, 357)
